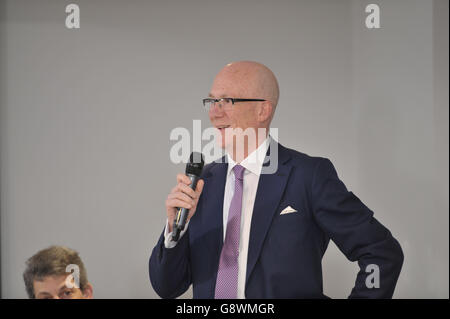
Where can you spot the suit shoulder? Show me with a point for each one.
(207, 168)
(299, 159)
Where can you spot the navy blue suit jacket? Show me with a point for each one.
(285, 251)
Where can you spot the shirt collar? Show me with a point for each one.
(253, 162)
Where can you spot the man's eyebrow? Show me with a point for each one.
(212, 96)
(62, 288)
(43, 293)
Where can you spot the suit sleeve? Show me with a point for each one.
(169, 268)
(351, 225)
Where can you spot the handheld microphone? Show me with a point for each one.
(193, 171)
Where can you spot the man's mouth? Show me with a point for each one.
(222, 128)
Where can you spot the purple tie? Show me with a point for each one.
(227, 275)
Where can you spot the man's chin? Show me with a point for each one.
(222, 145)
(221, 140)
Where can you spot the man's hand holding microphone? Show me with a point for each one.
(182, 201)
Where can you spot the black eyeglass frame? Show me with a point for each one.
(233, 100)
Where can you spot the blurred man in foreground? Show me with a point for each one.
(57, 273)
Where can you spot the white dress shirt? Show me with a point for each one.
(253, 165)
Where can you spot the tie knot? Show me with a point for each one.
(239, 172)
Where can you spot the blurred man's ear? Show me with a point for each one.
(88, 292)
(265, 111)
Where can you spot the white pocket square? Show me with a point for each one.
(288, 210)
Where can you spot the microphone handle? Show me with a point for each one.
(180, 219)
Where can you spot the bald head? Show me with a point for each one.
(244, 80)
(250, 80)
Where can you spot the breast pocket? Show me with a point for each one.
(289, 230)
(289, 221)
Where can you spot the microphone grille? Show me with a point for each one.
(196, 163)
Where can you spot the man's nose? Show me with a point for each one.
(216, 110)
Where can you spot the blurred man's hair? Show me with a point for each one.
(50, 262)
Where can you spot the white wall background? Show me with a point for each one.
(85, 118)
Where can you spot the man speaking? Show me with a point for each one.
(252, 234)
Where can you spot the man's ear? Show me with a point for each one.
(88, 292)
(265, 111)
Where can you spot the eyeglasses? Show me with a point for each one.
(225, 103)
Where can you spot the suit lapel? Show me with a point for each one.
(213, 214)
(270, 190)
